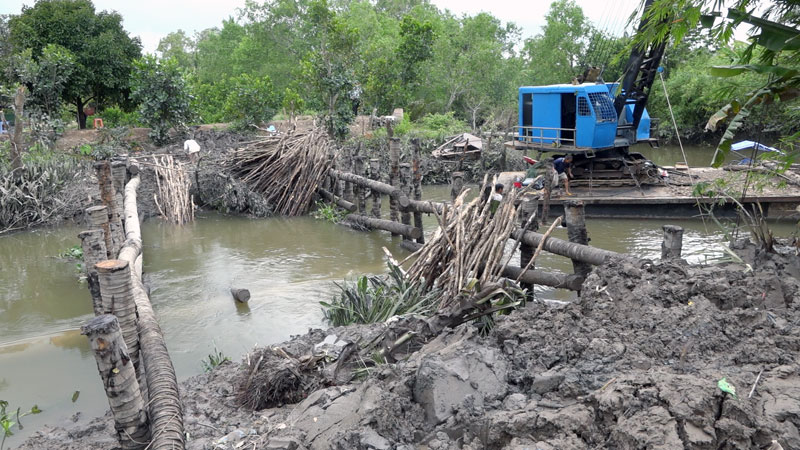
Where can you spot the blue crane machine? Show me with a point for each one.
(596, 122)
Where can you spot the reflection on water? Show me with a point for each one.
(287, 264)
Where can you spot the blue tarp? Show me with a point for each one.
(750, 144)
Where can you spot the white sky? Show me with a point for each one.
(151, 20)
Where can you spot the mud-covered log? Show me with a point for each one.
(673, 242)
(241, 295)
(94, 250)
(375, 175)
(418, 206)
(547, 169)
(575, 216)
(417, 184)
(583, 253)
(393, 192)
(164, 405)
(338, 201)
(361, 191)
(405, 185)
(119, 379)
(456, 184)
(394, 177)
(540, 277)
(116, 289)
(385, 225)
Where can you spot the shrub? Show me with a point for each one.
(251, 102)
(374, 299)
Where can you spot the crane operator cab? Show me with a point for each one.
(581, 119)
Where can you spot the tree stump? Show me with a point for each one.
(119, 380)
(673, 242)
(98, 218)
(375, 175)
(94, 250)
(575, 216)
(456, 184)
(241, 295)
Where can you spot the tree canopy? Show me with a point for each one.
(101, 49)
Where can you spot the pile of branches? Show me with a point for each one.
(466, 253)
(173, 200)
(286, 169)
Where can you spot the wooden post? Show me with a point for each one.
(241, 295)
(116, 288)
(405, 185)
(527, 208)
(548, 188)
(673, 242)
(98, 218)
(119, 174)
(417, 174)
(349, 191)
(575, 216)
(109, 198)
(94, 250)
(119, 379)
(375, 174)
(361, 191)
(394, 176)
(503, 149)
(456, 184)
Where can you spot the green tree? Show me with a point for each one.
(103, 51)
(164, 100)
(178, 46)
(46, 78)
(251, 102)
(553, 56)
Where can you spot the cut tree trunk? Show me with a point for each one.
(16, 138)
(394, 192)
(385, 225)
(340, 202)
(241, 295)
(119, 380)
(583, 253)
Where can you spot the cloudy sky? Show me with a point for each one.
(151, 20)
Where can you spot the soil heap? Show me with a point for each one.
(633, 364)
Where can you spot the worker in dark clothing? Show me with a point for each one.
(563, 167)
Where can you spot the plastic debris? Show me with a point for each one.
(726, 387)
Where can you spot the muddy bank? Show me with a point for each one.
(634, 364)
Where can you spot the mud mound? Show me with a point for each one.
(633, 365)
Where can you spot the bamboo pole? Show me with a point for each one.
(165, 407)
(119, 380)
(375, 175)
(395, 228)
(116, 290)
(575, 216)
(98, 218)
(94, 250)
(394, 176)
(340, 202)
(417, 175)
(405, 183)
(673, 242)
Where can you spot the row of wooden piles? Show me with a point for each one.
(127, 342)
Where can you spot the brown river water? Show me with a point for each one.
(288, 265)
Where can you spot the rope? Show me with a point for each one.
(675, 124)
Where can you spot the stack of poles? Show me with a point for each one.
(127, 342)
(405, 194)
